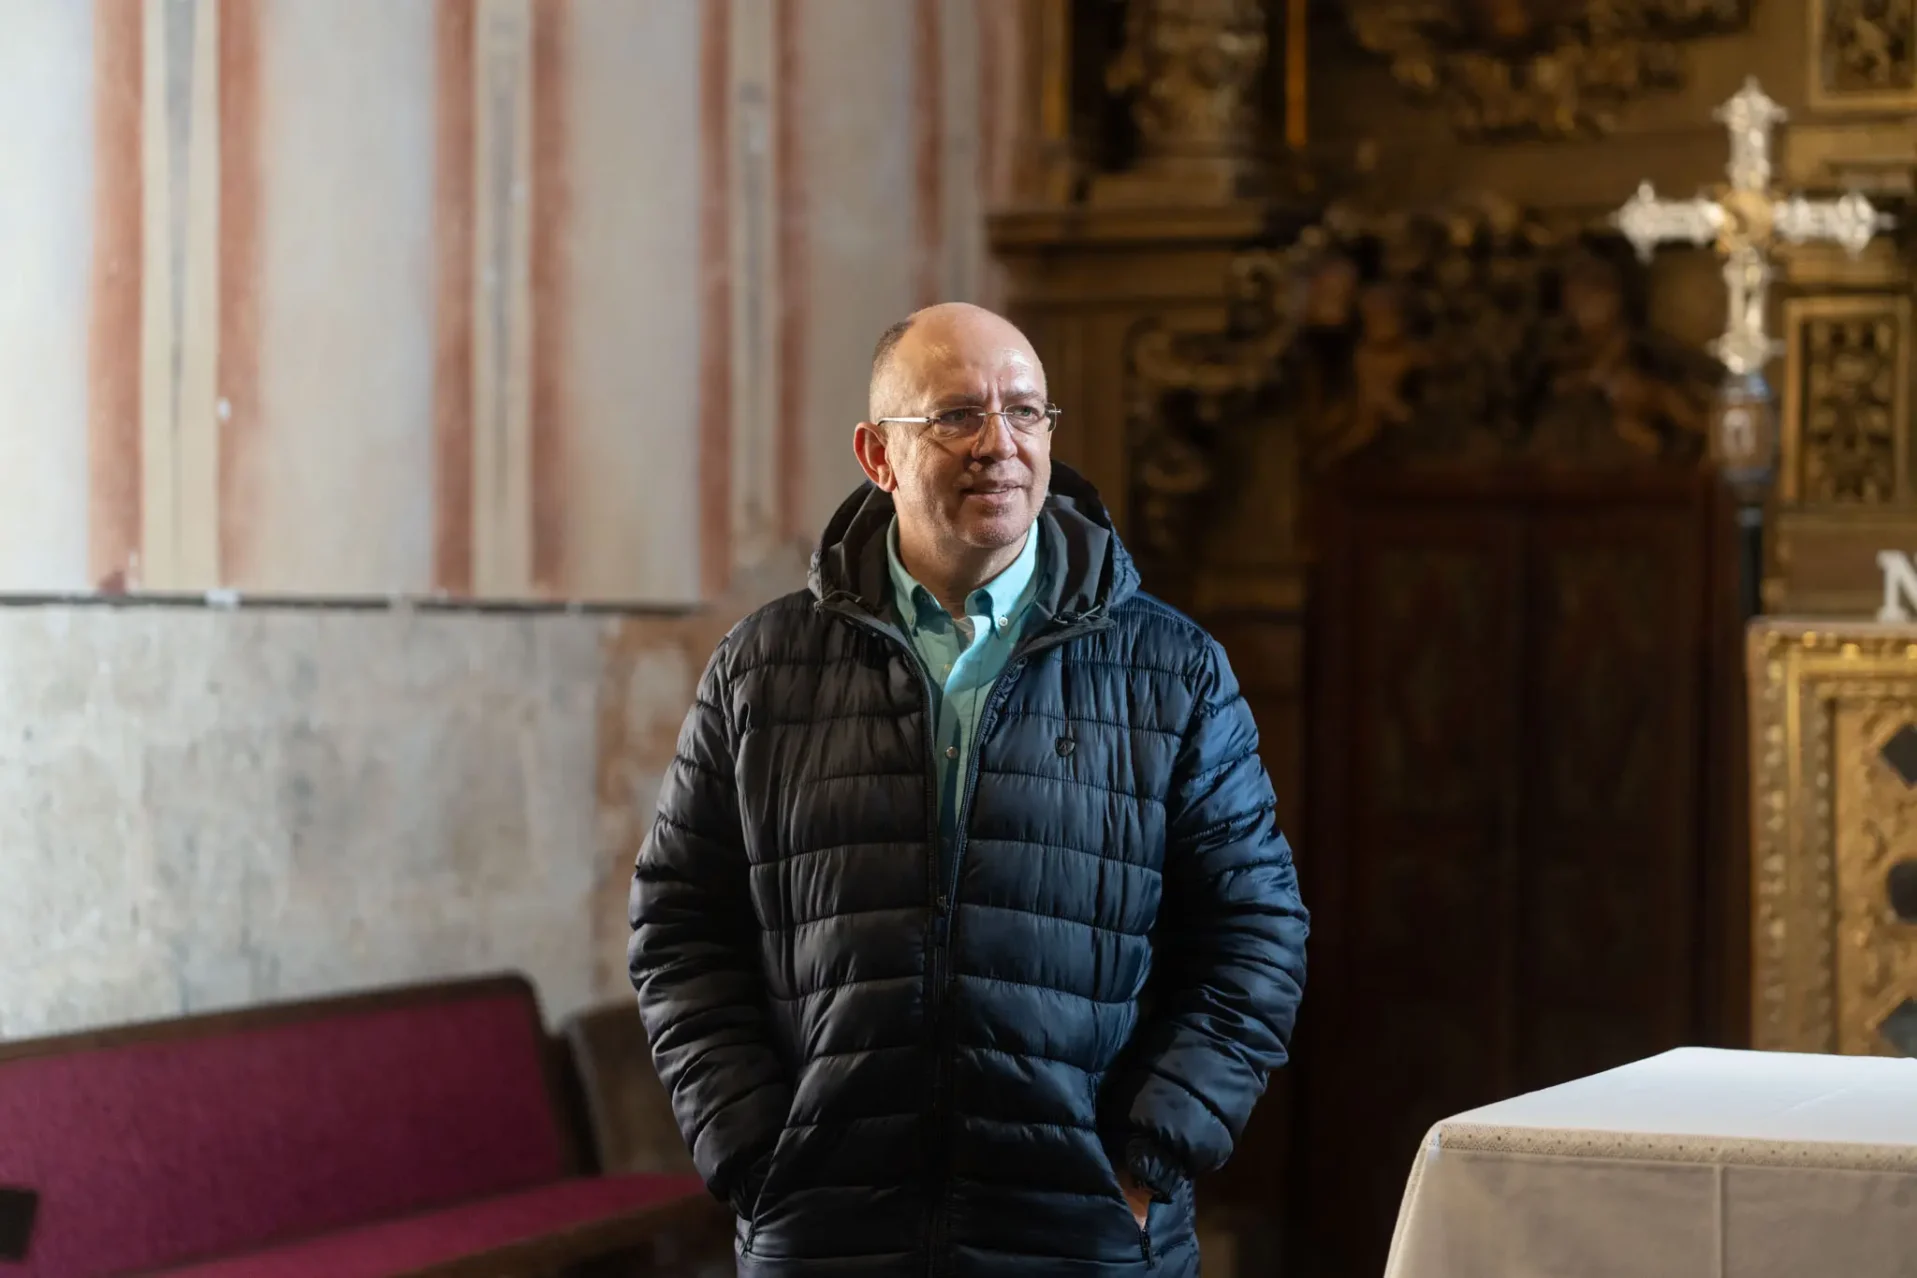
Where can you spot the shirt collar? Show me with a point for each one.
(1002, 598)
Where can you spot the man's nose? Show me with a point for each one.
(994, 439)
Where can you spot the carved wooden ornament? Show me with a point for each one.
(1551, 68)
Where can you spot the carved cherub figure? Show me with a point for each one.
(1503, 22)
(1330, 292)
(1386, 356)
(1601, 374)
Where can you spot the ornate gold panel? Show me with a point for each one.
(1846, 486)
(1846, 401)
(1877, 811)
(1862, 55)
(1830, 816)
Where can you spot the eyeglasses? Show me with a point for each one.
(954, 424)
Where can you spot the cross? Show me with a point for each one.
(1744, 220)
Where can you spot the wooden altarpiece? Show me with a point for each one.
(1489, 473)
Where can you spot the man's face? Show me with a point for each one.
(981, 492)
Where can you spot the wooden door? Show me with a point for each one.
(1612, 795)
(1507, 777)
(1419, 633)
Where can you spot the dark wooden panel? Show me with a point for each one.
(1421, 626)
(1612, 806)
(1266, 653)
(1509, 772)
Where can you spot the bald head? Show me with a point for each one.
(941, 334)
(967, 487)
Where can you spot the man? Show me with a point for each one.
(965, 935)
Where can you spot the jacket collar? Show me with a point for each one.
(1089, 570)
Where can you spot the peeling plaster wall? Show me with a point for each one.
(206, 808)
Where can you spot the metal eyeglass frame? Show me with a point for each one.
(1052, 412)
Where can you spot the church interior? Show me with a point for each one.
(399, 399)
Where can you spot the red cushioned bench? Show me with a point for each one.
(409, 1131)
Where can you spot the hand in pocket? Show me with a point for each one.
(1138, 1198)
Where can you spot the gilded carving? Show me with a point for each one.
(1846, 419)
(1191, 387)
(1483, 333)
(1828, 817)
(1554, 68)
(1862, 55)
(1189, 69)
(1876, 813)
(1476, 332)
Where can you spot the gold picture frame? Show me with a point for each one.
(1827, 46)
(1830, 960)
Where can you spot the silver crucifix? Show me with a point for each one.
(1744, 219)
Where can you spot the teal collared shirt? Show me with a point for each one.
(964, 656)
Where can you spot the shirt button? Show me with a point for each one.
(1004, 622)
(951, 752)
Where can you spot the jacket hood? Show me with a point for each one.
(1088, 570)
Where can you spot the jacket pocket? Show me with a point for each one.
(756, 1200)
(1107, 1162)
(762, 1174)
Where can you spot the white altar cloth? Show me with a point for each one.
(1698, 1163)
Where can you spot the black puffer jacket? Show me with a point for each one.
(894, 1062)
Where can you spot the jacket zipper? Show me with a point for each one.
(935, 996)
(1001, 690)
(995, 698)
(945, 903)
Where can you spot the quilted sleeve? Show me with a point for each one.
(694, 959)
(1229, 948)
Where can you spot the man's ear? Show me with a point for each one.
(872, 446)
